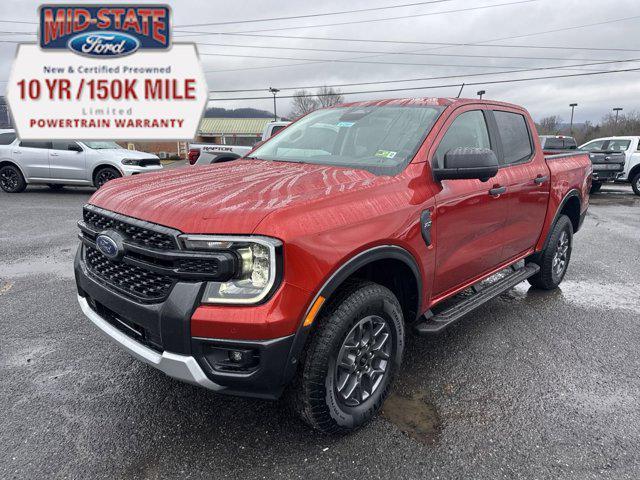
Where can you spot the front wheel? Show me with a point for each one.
(635, 184)
(11, 179)
(554, 259)
(351, 360)
(104, 175)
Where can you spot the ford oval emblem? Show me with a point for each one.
(107, 246)
(104, 44)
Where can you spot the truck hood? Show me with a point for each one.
(229, 198)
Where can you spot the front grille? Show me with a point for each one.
(129, 279)
(136, 234)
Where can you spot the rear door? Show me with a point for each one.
(469, 220)
(527, 179)
(66, 162)
(33, 157)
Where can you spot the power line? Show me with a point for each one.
(297, 17)
(333, 50)
(355, 22)
(353, 84)
(494, 82)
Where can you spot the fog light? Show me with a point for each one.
(235, 356)
(232, 359)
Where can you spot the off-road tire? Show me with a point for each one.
(314, 394)
(11, 179)
(103, 175)
(595, 187)
(635, 184)
(548, 278)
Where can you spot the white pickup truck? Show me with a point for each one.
(630, 146)
(206, 153)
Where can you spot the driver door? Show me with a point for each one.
(67, 161)
(470, 216)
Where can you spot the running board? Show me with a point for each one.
(436, 323)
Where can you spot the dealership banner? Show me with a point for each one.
(106, 72)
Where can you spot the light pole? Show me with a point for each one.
(275, 92)
(573, 106)
(617, 110)
(481, 93)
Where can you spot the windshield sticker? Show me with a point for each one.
(385, 154)
(345, 124)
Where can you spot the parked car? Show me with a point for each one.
(206, 154)
(301, 268)
(557, 143)
(59, 163)
(627, 146)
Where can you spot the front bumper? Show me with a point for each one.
(159, 334)
(128, 170)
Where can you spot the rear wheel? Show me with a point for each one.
(595, 187)
(104, 175)
(351, 360)
(635, 184)
(554, 259)
(11, 179)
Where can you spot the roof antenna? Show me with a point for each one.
(460, 92)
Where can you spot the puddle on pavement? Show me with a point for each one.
(616, 296)
(414, 416)
(59, 267)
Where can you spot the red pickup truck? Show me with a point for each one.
(301, 268)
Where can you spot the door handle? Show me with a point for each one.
(54, 154)
(540, 179)
(18, 152)
(497, 191)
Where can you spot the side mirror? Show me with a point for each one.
(74, 147)
(468, 163)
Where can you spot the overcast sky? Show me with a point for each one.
(596, 94)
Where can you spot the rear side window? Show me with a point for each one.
(570, 144)
(64, 145)
(468, 130)
(516, 143)
(7, 138)
(276, 129)
(29, 144)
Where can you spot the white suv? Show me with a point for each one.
(67, 162)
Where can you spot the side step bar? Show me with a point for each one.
(436, 323)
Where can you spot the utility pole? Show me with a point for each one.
(573, 106)
(617, 110)
(274, 91)
(481, 93)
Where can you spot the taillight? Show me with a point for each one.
(194, 154)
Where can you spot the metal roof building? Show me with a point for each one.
(232, 131)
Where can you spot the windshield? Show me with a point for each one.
(382, 140)
(104, 145)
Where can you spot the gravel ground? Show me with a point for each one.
(532, 385)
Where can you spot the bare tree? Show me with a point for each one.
(329, 96)
(303, 103)
(549, 125)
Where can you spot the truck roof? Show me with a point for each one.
(426, 101)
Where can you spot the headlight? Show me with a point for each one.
(257, 267)
(131, 161)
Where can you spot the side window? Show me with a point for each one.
(516, 143)
(64, 145)
(467, 130)
(593, 146)
(7, 138)
(31, 144)
(570, 144)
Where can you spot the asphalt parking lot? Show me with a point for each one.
(532, 385)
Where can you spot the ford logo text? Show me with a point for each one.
(107, 246)
(104, 44)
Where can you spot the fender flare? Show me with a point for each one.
(353, 264)
(570, 194)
